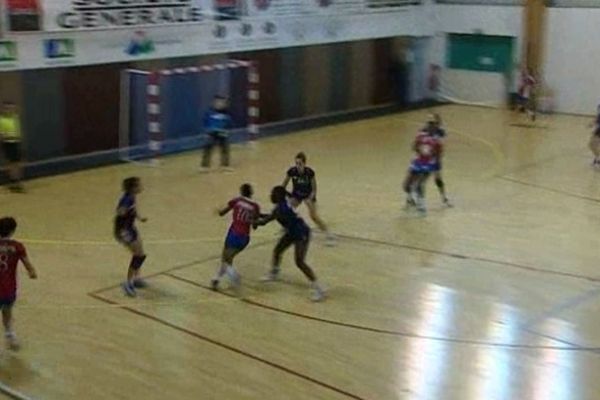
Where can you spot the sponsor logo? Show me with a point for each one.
(269, 28)
(59, 48)
(8, 51)
(246, 29)
(85, 14)
(220, 31)
(140, 44)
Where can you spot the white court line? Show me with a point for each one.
(13, 394)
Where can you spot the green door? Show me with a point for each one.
(480, 52)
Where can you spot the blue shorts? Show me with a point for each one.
(436, 166)
(522, 100)
(7, 302)
(419, 167)
(235, 241)
(127, 236)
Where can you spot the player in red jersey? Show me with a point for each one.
(427, 147)
(525, 93)
(11, 252)
(245, 213)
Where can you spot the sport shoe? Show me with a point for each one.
(12, 342)
(140, 284)
(128, 289)
(330, 240)
(272, 276)
(203, 170)
(227, 169)
(214, 284)
(317, 295)
(447, 203)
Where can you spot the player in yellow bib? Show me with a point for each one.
(10, 133)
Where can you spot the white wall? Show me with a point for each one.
(489, 20)
(572, 58)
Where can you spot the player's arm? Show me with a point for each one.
(29, 267)
(264, 219)
(223, 211)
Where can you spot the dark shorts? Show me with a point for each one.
(12, 151)
(127, 236)
(419, 167)
(436, 166)
(302, 197)
(235, 241)
(7, 301)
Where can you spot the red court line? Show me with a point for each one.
(228, 347)
(549, 189)
(474, 258)
(570, 347)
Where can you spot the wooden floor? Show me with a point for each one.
(497, 298)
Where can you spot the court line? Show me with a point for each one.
(549, 189)
(12, 393)
(114, 243)
(180, 266)
(225, 346)
(385, 331)
(474, 258)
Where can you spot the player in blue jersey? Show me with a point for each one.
(297, 233)
(245, 213)
(217, 124)
(127, 234)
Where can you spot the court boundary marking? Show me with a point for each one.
(569, 346)
(12, 393)
(225, 346)
(548, 189)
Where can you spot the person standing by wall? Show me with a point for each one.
(217, 123)
(10, 134)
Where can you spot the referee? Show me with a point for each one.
(10, 134)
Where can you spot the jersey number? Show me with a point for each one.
(3, 262)
(244, 216)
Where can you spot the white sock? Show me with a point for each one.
(10, 334)
(231, 272)
(315, 285)
(221, 271)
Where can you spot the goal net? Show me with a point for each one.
(162, 111)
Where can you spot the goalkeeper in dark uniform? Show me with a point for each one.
(217, 123)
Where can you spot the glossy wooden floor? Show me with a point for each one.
(497, 298)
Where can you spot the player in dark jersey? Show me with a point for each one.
(127, 234)
(11, 252)
(245, 213)
(434, 128)
(595, 139)
(297, 233)
(304, 190)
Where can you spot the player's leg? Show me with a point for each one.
(314, 215)
(224, 146)
(230, 250)
(594, 146)
(138, 257)
(7, 321)
(295, 201)
(284, 243)
(419, 187)
(300, 251)
(408, 186)
(439, 182)
(207, 152)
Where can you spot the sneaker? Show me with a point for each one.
(203, 170)
(214, 284)
(140, 284)
(227, 169)
(128, 289)
(317, 295)
(447, 203)
(272, 276)
(235, 279)
(12, 342)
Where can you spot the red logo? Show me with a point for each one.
(262, 4)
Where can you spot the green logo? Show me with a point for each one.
(8, 51)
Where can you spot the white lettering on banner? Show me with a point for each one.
(89, 14)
